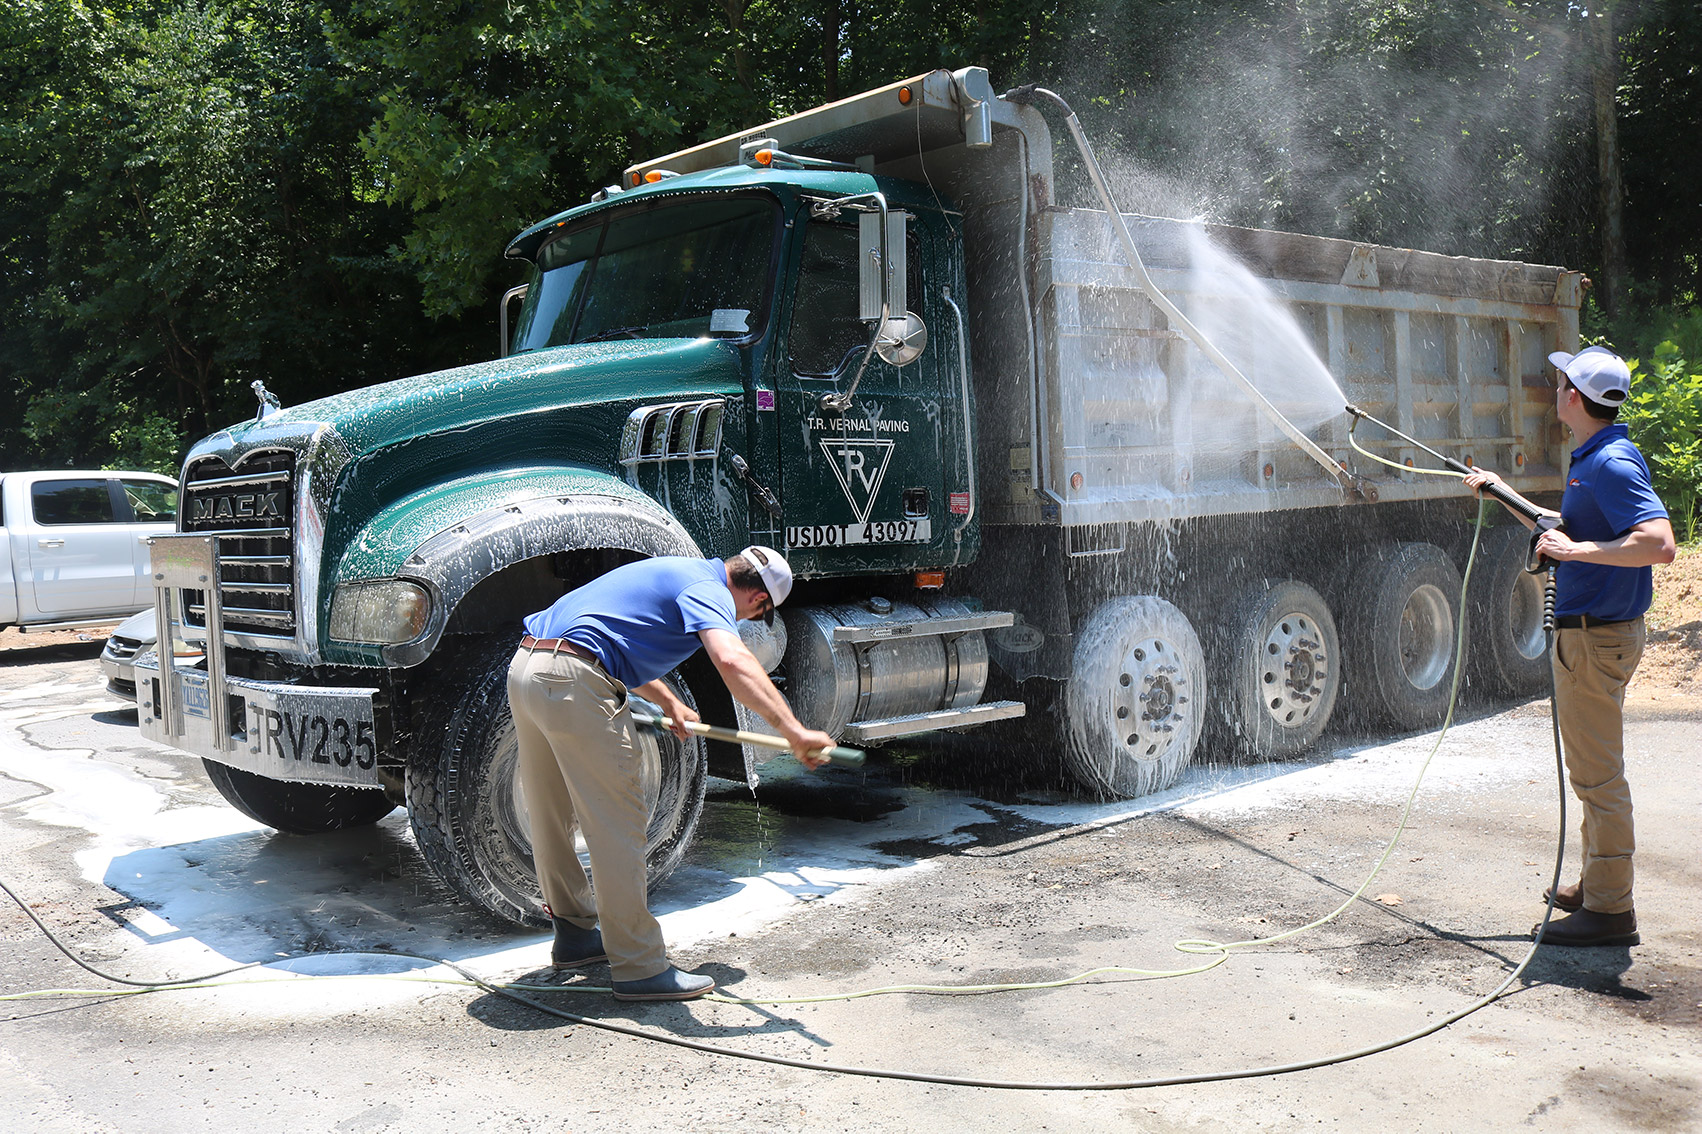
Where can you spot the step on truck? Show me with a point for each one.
(1012, 481)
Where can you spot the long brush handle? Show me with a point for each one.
(843, 757)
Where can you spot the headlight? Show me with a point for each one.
(382, 613)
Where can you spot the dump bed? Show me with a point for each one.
(1135, 423)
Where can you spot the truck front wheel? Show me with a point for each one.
(1136, 698)
(468, 810)
(297, 809)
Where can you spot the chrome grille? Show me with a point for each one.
(254, 503)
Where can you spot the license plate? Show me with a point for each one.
(853, 535)
(303, 736)
(196, 702)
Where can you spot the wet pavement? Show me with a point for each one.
(845, 880)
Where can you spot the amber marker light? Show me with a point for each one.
(930, 580)
(764, 157)
(1076, 480)
(1519, 459)
(652, 177)
(1270, 471)
(633, 179)
(905, 96)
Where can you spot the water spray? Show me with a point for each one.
(1033, 93)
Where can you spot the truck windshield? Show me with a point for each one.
(669, 268)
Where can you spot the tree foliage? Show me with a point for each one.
(195, 194)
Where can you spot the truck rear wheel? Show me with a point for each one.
(295, 808)
(1507, 649)
(1400, 622)
(469, 812)
(1136, 698)
(1280, 670)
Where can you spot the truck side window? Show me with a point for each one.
(71, 502)
(825, 328)
(150, 501)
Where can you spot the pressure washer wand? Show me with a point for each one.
(1501, 492)
(837, 755)
(1541, 521)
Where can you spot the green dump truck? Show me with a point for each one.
(1008, 483)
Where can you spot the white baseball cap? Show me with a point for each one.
(772, 566)
(1599, 374)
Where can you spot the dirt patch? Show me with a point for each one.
(1672, 661)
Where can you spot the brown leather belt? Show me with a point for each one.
(559, 646)
(1585, 621)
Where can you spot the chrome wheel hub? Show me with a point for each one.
(1152, 699)
(1426, 636)
(1293, 667)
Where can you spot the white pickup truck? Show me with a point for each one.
(77, 545)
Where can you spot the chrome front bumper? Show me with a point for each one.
(310, 734)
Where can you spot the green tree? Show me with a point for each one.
(188, 175)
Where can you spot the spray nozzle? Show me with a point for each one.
(1356, 411)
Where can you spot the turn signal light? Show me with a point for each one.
(905, 96)
(764, 157)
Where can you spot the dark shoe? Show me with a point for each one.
(1587, 927)
(1568, 898)
(669, 984)
(575, 947)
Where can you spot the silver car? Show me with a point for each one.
(134, 636)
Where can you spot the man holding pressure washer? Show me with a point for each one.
(1613, 529)
(579, 762)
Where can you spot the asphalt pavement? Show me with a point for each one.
(938, 865)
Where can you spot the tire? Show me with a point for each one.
(469, 814)
(1399, 628)
(295, 808)
(1136, 698)
(1279, 671)
(1506, 650)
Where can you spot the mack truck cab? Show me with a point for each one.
(990, 440)
(774, 351)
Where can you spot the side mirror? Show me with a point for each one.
(508, 297)
(881, 285)
(903, 340)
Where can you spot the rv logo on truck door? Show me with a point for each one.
(859, 467)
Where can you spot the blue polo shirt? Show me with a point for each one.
(641, 620)
(1608, 492)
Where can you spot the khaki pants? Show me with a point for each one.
(1591, 668)
(579, 766)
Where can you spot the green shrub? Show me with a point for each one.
(1664, 414)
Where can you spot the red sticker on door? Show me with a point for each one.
(960, 503)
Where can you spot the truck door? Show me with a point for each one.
(865, 490)
(80, 556)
